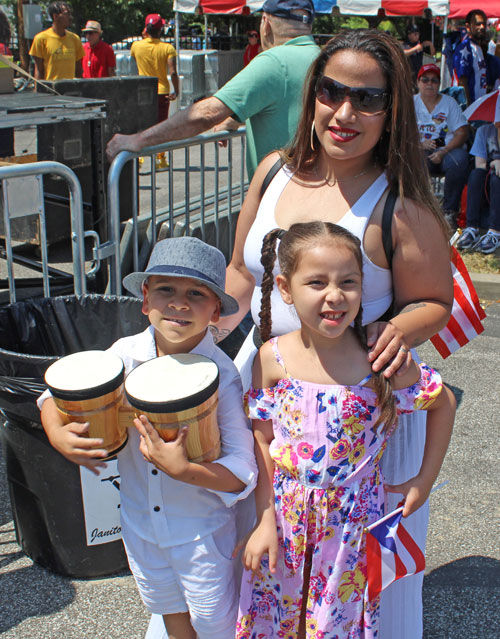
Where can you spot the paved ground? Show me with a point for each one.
(462, 584)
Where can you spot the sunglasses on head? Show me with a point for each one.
(433, 79)
(366, 100)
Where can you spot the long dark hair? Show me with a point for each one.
(298, 237)
(398, 151)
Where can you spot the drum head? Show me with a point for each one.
(85, 375)
(172, 383)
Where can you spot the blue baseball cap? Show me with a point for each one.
(285, 8)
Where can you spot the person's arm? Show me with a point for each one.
(171, 458)
(172, 72)
(440, 418)
(458, 140)
(264, 538)
(111, 62)
(70, 439)
(416, 49)
(186, 123)
(240, 283)
(39, 67)
(423, 288)
(480, 163)
(430, 46)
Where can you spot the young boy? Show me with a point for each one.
(178, 524)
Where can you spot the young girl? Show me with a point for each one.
(321, 421)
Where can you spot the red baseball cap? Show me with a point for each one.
(155, 20)
(429, 68)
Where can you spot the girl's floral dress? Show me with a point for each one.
(327, 487)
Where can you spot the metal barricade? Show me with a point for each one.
(23, 196)
(209, 214)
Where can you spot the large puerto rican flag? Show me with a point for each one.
(346, 7)
(466, 315)
(391, 553)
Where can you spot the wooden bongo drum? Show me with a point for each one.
(88, 387)
(175, 391)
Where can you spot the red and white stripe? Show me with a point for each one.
(466, 315)
(385, 567)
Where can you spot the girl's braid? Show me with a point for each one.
(267, 259)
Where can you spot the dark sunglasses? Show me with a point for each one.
(366, 100)
(433, 80)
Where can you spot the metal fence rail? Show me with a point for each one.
(203, 199)
(23, 196)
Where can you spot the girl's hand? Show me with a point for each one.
(416, 492)
(71, 442)
(495, 167)
(428, 145)
(263, 539)
(169, 457)
(387, 347)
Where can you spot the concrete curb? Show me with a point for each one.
(487, 285)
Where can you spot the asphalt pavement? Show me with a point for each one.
(462, 583)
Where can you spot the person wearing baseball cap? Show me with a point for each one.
(99, 59)
(157, 59)
(414, 49)
(443, 133)
(265, 95)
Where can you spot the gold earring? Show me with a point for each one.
(312, 136)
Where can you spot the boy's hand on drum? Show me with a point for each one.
(169, 457)
(416, 492)
(387, 348)
(71, 442)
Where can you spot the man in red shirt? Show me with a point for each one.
(99, 60)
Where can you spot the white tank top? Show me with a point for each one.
(377, 281)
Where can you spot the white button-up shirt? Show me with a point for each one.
(168, 512)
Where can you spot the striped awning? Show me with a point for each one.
(346, 7)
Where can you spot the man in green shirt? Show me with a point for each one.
(266, 94)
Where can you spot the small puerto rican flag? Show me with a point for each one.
(391, 553)
(466, 314)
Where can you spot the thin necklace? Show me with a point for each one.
(339, 180)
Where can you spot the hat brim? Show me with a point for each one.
(133, 283)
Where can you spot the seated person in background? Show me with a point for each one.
(483, 188)
(414, 49)
(443, 132)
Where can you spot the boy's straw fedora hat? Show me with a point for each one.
(186, 257)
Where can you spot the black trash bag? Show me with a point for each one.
(34, 333)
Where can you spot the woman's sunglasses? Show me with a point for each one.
(366, 100)
(434, 80)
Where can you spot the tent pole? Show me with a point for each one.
(443, 61)
(177, 30)
(205, 40)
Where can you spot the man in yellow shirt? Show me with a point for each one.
(157, 59)
(57, 52)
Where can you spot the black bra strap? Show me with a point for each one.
(270, 175)
(387, 224)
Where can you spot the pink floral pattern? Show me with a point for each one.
(327, 487)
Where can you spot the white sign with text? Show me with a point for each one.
(101, 504)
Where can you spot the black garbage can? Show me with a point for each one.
(45, 488)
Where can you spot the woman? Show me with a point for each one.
(443, 134)
(356, 138)
(252, 48)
